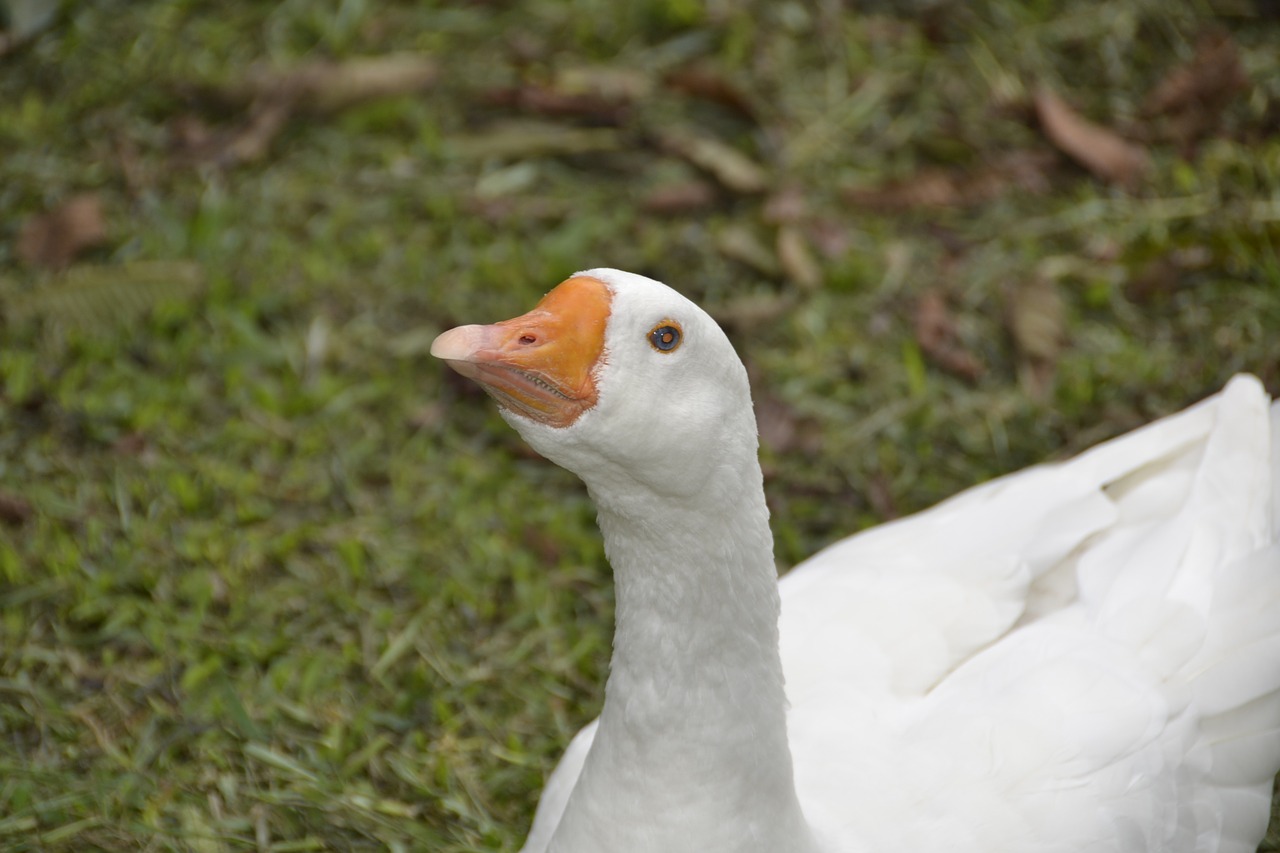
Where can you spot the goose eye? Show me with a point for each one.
(665, 338)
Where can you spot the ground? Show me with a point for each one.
(271, 579)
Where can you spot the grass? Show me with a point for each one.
(270, 580)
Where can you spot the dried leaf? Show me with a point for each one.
(549, 548)
(273, 96)
(1097, 148)
(710, 84)
(932, 188)
(607, 82)
(513, 179)
(254, 139)
(542, 100)
(527, 48)
(504, 209)
(1213, 74)
(1036, 318)
(796, 258)
(518, 139)
(194, 141)
(1193, 96)
(745, 313)
(740, 243)
(786, 205)
(190, 136)
(1027, 171)
(939, 340)
(1038, 325)
(14, 509)
(782, 429)
(833, 238)
(130, 444)
(1156, 279)
(54, 239)
(1162, 276)
(138, 177)
(429, 416)
(326, 87)
(685, 197)
(928, 188)
(880, 496)
(776, 422)
(735, 170)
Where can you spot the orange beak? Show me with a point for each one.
(542, 364)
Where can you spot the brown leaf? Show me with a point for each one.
(130, 444)
(776, 422)
(137, 176)
(530, 138)
(1156, 279)
(549, 548)
(15, 510)
(1162, 276)
(740, 243)
(940, 341)
(703, 81)
(503, 209)
(928, 188)
(1097, 148)
(833, 238)
(1214, 72)
(785, 206)
(783, 430)
(1193, 96)
(674, 199)
(933, 188)
(735, 170)
(527, 48)
(748, 312)
(543, 100)
(880, 496)
(189, 135)
(616, 84)
(1036, 318)
(933, 323)
(254, 139)
(272, 96)
(324, 86)
(1026, 170)
(429, 416)
(54, 239)
(1038, 326)
(796, 258)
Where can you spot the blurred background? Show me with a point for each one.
(272, 579)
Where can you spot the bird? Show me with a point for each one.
(1080, 656)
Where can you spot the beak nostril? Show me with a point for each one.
(528, 339)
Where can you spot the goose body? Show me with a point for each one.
(1082, 656)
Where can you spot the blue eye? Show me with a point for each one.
(665, 338)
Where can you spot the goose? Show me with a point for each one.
(1082, 656)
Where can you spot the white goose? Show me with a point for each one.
(1078, 657)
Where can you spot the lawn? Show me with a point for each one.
(271, 579)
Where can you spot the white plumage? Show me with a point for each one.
(1078, 657)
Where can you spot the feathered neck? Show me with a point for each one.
(691, 753)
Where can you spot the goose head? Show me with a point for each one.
(619, 379)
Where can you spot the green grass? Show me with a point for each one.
(277, 583)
